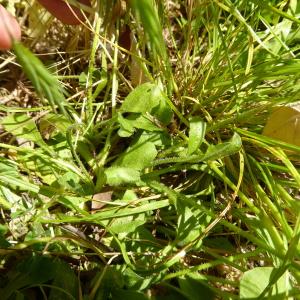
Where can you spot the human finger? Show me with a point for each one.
(9, 29)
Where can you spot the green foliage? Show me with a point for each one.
(196, 134)
(119, 175)
(23, 126)
(148, 15)
(138, 156)
(148, 98)
(164, 190)
(195, 288)
(254, 282)
(44, 82)
(37, 271)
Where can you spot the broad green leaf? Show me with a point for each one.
(126, 127)
(124, 133)
(195, 288)
(138, 156)
(74, 203)
(142, 240)
(23, 126)
(161, 139)
(186, 222)
(40, 270)
(148, 98)
(111, 280)
(139, 121)
(52, 124)
(69, 182)
(66, 280)
(42, 168)
(142, 99)
(191, 223)
(163, 111)
(196, 134)
(219, 243)
(3, 242)
(128, 295)
(126, 224)
(169, 293)
(35, 270)
(254, 281)
(134, 281)
(129, 195)
(121, 175)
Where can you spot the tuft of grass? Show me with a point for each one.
(161, 187)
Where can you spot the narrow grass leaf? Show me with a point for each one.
(109, 213)
(148, 15)
(214, 152)
(43, 81)
(7, 180)
(224, 149)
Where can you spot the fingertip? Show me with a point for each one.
(9, 29)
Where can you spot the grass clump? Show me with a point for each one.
(137, 167)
